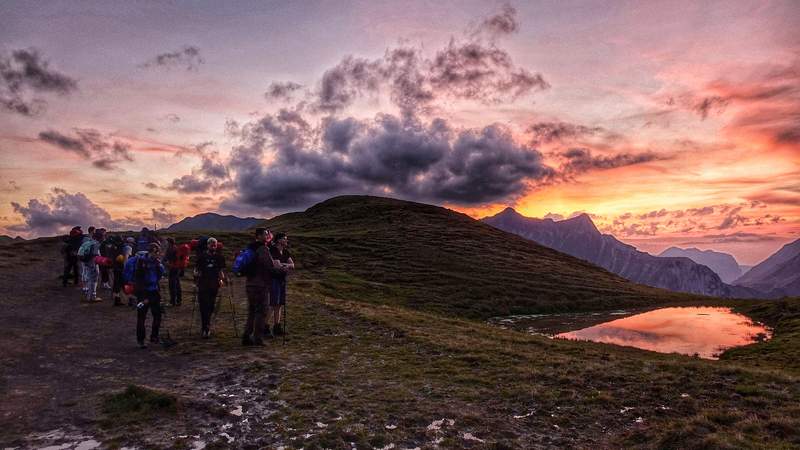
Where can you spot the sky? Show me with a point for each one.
(670, 123)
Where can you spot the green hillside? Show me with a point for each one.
(391, 251)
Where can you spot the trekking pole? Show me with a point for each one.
(284, 323)
(233, 309)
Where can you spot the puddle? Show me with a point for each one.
(700, 331)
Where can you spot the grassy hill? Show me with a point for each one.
(391, 251)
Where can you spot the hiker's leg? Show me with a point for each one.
(155, 307)
(76, 271)
(206, 307)
(67, 269)
(91, 281)
(251, 312)
(172, 291)
(141, 315)
(178, 288)
(259, 312)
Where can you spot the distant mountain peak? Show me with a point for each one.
(581, 222)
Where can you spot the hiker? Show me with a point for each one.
(84, 238)
(70, 251)
(209, 276)
(257, 285)
(127, 249)
(145, 271)
(107, 250)
(89, 250)
(144, 240)
(123, 252)
(277, 298)
(175, 272)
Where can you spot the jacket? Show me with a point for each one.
(143, 271)
(261, 275)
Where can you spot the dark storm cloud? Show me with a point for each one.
(90, 144)
(26, 73)
(546, 132)
(281, 90)
(387, 155)
(579, 160)
(188, 57)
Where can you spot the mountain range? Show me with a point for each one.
(214, 222)
(777, 275)
(723, 264)
(579, 237)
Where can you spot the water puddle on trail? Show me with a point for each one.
(704, 331)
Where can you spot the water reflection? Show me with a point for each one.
(702, 331)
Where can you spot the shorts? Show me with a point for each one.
(277, 293)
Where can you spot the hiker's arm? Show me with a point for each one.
(290, 263)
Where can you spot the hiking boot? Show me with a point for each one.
(246, 341)
(106, 286)
(154, 339)
(117, 301)
(205, 334)
(268, 334)
(142, 345)
(96, 300)
(258, 343)
(277, 330)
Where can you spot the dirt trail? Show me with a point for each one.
(57, 355)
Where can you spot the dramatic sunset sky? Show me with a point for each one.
(671, 123)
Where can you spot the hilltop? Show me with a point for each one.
(214, 222)
(723, 264)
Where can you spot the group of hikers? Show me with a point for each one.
(134, 266)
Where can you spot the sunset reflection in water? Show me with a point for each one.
(705, 331)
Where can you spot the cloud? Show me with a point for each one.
(387, 155)
(554, 216)
(580, 160)
(163, 217)
(11, 186)
(60, 211)
(172, 117)
(91, 145)
(546, 132)
(281, 90)
(468, 68)
(150, 185)
(24, 74)
(500, 24)
(732, 219)
(739, 236)
(653, 214)
(187, 57)
(212, 174)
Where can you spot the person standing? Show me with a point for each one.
(147, 272)
(89, 250)
(71, 245)
(257, 287)
(172, 263)
(279, 251)
(118, 268)
(210, 276)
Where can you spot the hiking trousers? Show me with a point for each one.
(90, 278)
(257, 299)
(70, 269)
(206, 297)
(175, 292)
(153, 304)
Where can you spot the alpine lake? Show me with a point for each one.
(700, 331)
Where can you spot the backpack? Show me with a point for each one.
(245, 262)
(85, 252)
(182, 256)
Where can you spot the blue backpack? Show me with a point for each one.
(244, 264)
